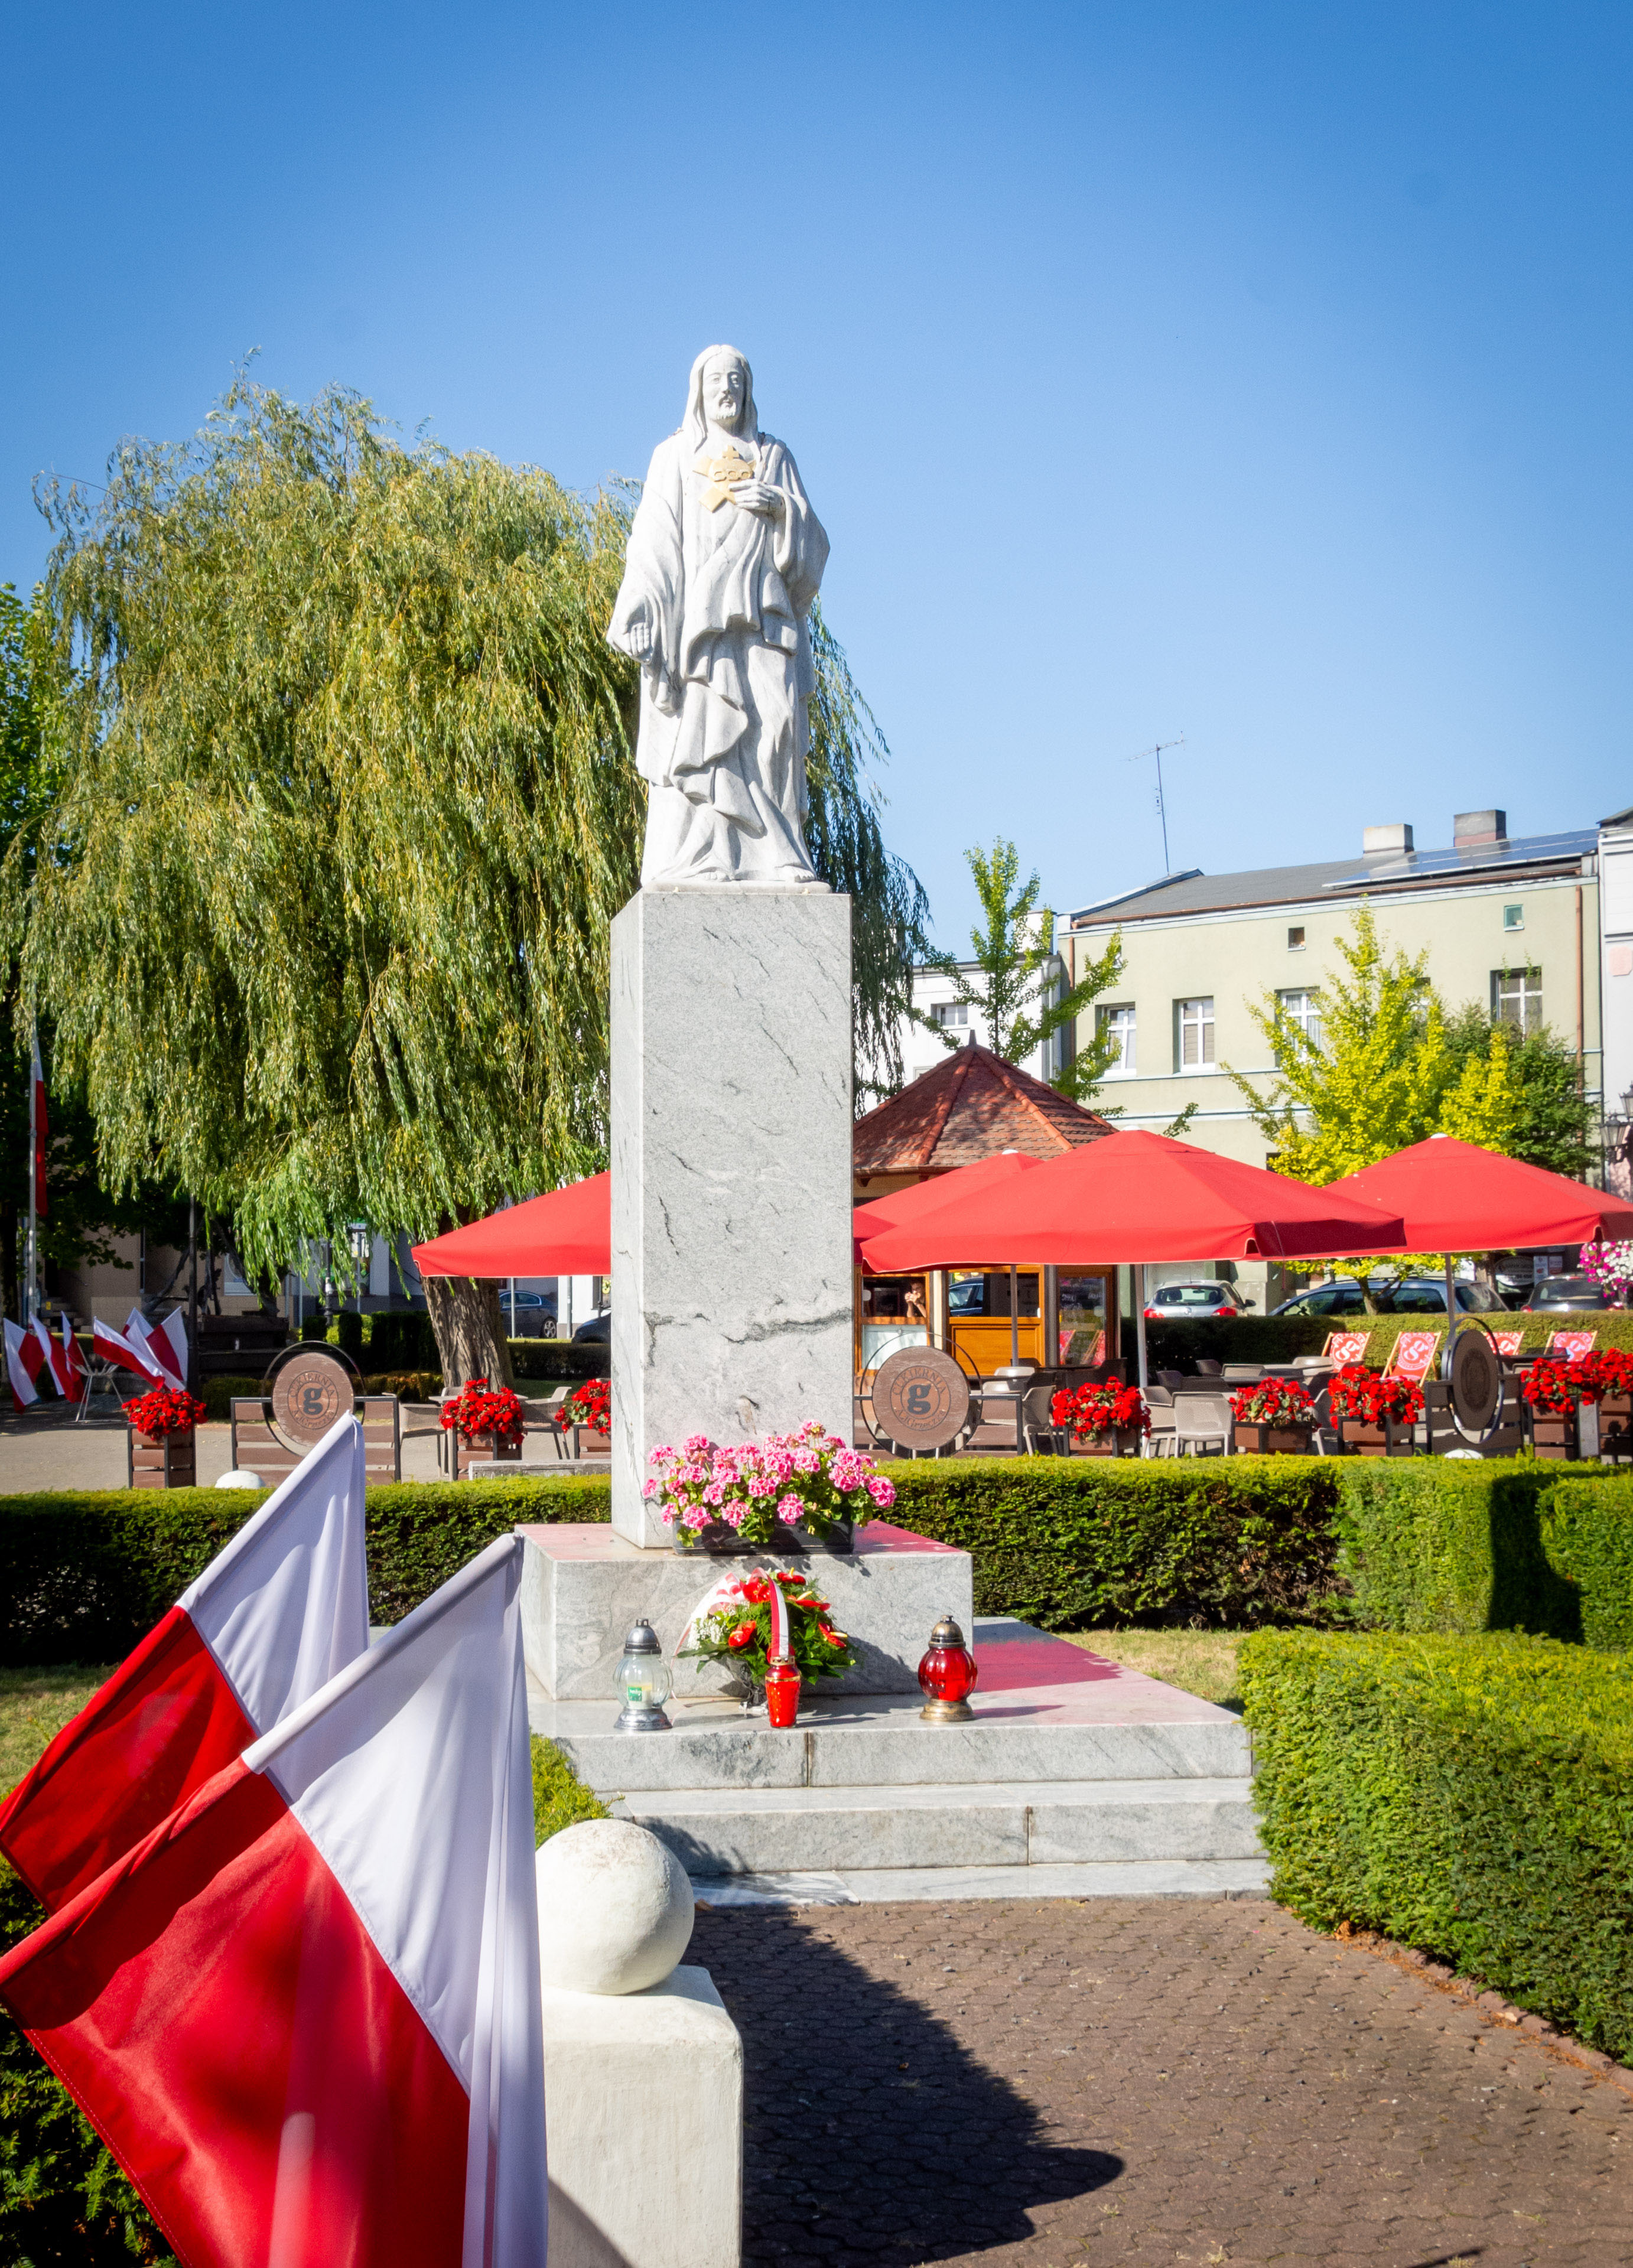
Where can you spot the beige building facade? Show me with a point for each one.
(1512, 924)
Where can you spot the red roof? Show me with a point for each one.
(970, 1106)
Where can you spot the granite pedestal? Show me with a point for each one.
(583, 1585)
(730, 1142)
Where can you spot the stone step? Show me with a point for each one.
(1139, 1877)
(1018, 1824)
(834, 1746)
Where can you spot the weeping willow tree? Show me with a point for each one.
(342, 804)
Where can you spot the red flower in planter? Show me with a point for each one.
(1111, 1407)
(166, 1409)
(1608, 1371)
(479, 1409)
(1553, 1388)
(1369, 1397)
(589, 1404)
(1273, 1401)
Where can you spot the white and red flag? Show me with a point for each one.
(166, 1347)
(110, 1346)
(23, 1364)
(272, 1618)
(303, 2012)
(50, 1355)
(68, 1365)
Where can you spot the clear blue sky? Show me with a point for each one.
(1258, 373)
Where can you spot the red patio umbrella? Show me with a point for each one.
(1454, 1196)
(903, 1206)
(565, 1232)
(1135, 1197)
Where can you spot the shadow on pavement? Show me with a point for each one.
(871, 2133)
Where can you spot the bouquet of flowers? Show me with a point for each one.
(1608, 1372)
(1089, 1411)
(737, 1629)
(166, 1409)
(1553, 1388)
(1273, 1401)
(1369, 1396)
(479, 1409)
(808, 1478)
(589, 1404)
(1611, 1267)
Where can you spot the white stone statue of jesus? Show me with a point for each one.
(725, 556)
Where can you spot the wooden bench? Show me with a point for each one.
(256, 1448)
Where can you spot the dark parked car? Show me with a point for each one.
(1180, 1303)
(1414, 1295)
(597, 1332)
(1560, 1295)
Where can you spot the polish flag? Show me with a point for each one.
(70, 1364)
(165, 1348)
(22, 1361)
(270, 1620)
(50, 1354)
(112, 1346)
(303, 2012)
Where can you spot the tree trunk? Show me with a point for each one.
(470, 1333)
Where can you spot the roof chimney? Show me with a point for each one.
(1385, 841)
(1470, 829)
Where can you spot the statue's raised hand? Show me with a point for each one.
(758, 496)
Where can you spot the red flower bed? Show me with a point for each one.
(1273, 1401)
(589, 1404)
(479, 1409)
(166, 1409)
(1090, 1410)
(1554, 1389)
(1608, 1372)
(1368, 1396)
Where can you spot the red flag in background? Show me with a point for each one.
(42, 1128)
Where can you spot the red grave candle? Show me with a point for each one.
(947, 1675)
(781, 1691)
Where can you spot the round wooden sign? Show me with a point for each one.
(1476, 1379)
(306, 1389)
(921, 1398)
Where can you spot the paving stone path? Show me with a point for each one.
(1063, 2085)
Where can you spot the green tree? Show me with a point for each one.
(1553, 1121)
(344, 808)
(1011, 953)
(1382, 1075)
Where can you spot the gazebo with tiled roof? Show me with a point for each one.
(970, 1106)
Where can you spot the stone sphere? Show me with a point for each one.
(240, 1478)
(616, 1908)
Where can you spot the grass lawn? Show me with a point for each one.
(34, 1707)
(1203, 1662)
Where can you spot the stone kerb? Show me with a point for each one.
(730, 1139)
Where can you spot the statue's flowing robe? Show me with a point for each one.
(724, 724)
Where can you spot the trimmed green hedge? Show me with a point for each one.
(1470, 1796)
(1586, 1530)
(1439, 1544)
(559, 1359)
(1064, 1540)
(83, 1575)
(1278, 1339)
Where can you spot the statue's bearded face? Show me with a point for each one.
(725, 391)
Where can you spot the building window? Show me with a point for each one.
(1517, 998)
(951, 1015)
(1294, 940)
(1194, 1019)
(1513, 918)
(1304, 1009)
(1119, 1023)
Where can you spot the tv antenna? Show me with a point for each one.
(1162, 809)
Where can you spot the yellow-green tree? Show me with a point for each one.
(1382, 1075)
(342, 805)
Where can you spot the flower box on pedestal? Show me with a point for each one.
(1553, 1436)
(1389, 1437)
(1119, 1441)
(721, 1540)
(156, 1460)
(1272, 1440)
(485, 1446)
(1615, 1425)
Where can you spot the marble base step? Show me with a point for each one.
(1017, 1824)
(1154, 1878)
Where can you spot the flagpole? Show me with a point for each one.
(31, 1307)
